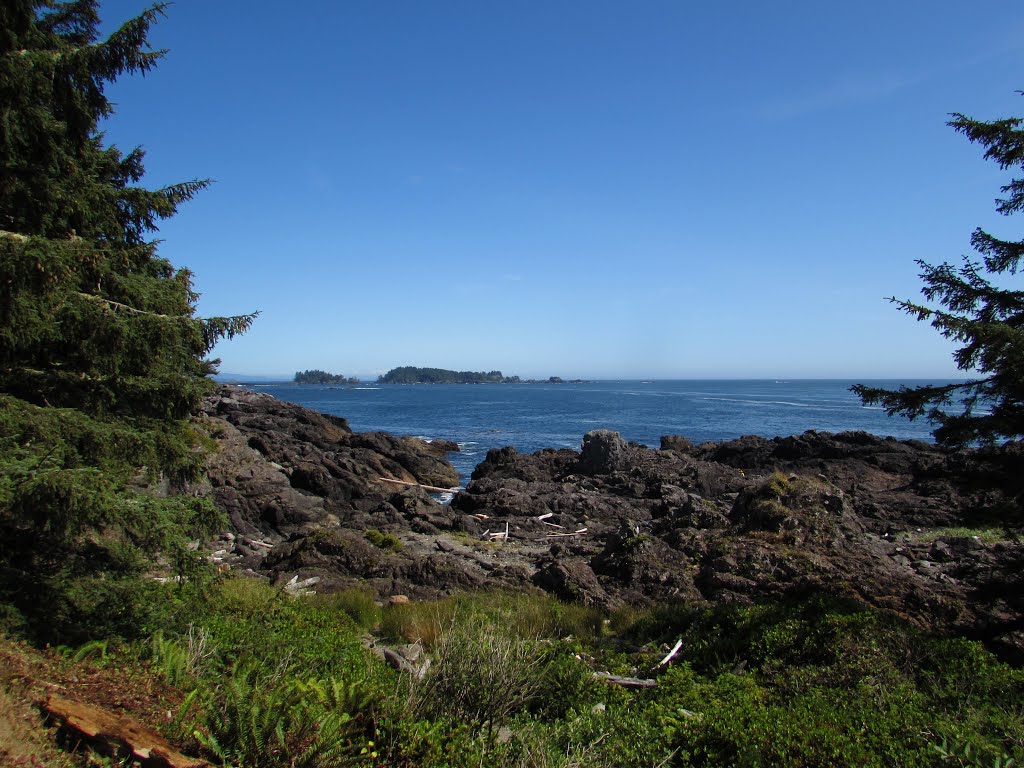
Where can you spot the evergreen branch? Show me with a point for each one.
(122, 51)
(1003, 139)
(213, 328)
(80, 243)
(125, 307)
(75, 22)
(999, 255)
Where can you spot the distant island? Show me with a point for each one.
(408, 374)
(316, 376)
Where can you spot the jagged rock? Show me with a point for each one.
(849, 514)
(669, 524)
(603, 452)
(572, 581)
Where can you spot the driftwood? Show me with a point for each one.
(626, 682)
(668, 658)
(117, 735)
(431, 488)
(299, 588)
(400, 663)
(503, 535)
(580, 532)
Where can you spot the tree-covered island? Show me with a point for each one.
(316, 376)
(408, 374)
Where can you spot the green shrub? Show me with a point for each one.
(777, 484)
(386, 541)
(480, 674)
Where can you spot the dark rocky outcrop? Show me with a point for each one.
(879, 520)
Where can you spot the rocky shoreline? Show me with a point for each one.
(897, 525)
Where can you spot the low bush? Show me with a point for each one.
(386, 541)
(480, 674)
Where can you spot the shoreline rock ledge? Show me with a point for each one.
(901, 526)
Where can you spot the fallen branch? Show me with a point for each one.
(117, 735)
(553, 525)
(431, 488)
(626, 682)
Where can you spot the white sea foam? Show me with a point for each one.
(812, 406)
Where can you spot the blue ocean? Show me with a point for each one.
(534, 416)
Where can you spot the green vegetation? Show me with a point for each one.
(986, 317)
(387, 541)
(102, 359)
(265, 679)
(316, 376)
(987, 535)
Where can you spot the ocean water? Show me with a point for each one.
(534, 416)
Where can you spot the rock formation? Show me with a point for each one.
(873, 519)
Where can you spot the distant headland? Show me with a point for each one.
(408, 374)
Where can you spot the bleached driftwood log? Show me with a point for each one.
(626, 682)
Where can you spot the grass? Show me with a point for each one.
(521, 615)
(986, 535)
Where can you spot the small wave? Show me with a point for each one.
(367, 389)
(812, 406)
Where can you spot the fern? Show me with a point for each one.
(270, 723)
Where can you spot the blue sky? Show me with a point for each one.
(586, 188)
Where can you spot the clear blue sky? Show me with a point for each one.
(597, 189)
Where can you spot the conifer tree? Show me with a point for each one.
(976, 306)
(102, 358)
